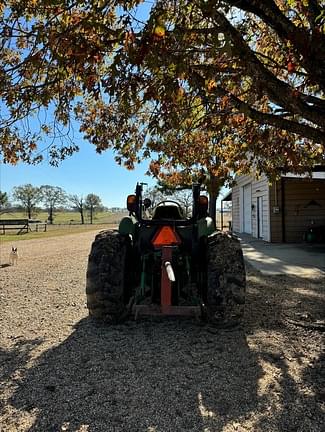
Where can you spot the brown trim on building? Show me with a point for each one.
(283, 224)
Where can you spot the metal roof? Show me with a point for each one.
(227, 197)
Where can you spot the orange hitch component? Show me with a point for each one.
(166, 284)
(166, 236)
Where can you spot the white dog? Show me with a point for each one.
(13, 257)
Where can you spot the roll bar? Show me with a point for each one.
(180, 222)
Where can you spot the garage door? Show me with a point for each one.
(247, 206)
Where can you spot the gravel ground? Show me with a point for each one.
(60, 371)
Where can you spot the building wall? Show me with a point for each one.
(290, 206)
(237, 202)
(276, 211)
(290, 209)
(235, 209)
(259, 188)
(304, 206)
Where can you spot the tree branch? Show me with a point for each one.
(311, 45)
(278, 91)
(304, 130)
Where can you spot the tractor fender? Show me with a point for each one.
(127, 225)
(205, 226)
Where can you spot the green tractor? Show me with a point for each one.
(166, 264)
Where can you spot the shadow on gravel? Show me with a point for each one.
(272, 299)
(13, 362)
(148, 376)
(174, 375)
(315, 375)
(17, 357)
(282, 310)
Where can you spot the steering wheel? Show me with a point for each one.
(162, 203)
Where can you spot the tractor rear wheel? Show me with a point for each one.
(226, 280)
(108, 277)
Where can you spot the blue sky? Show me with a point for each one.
(84, 172)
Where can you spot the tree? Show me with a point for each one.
(92, 203)
(79, 205)
(155, 195)
(257, 66)
(185, 199)
(52, 196)
(164, 191)
(188, 156)
(29, 196)
(4, 202)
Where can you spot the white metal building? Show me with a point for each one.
(281, 211)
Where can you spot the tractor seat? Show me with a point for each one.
(167, 212)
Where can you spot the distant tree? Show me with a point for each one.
(29, 196)
(93, 203)
(4, 202)
(163, 191)
(203, 161)
(185, 199)
(52, 196)
(79, 205)
(154, 194)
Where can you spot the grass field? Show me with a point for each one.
(67, 217)
(64, 223)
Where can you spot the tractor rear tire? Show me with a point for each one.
(226, 280)
(108, 277)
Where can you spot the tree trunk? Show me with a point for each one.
(91, 214)
(82, 216)
(29, 211)
(213, 187)
(213, 205)
(50, 218)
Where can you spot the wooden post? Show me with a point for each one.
(283, 223)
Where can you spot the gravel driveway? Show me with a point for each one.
(60, 371)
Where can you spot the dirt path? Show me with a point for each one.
(59, 371)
